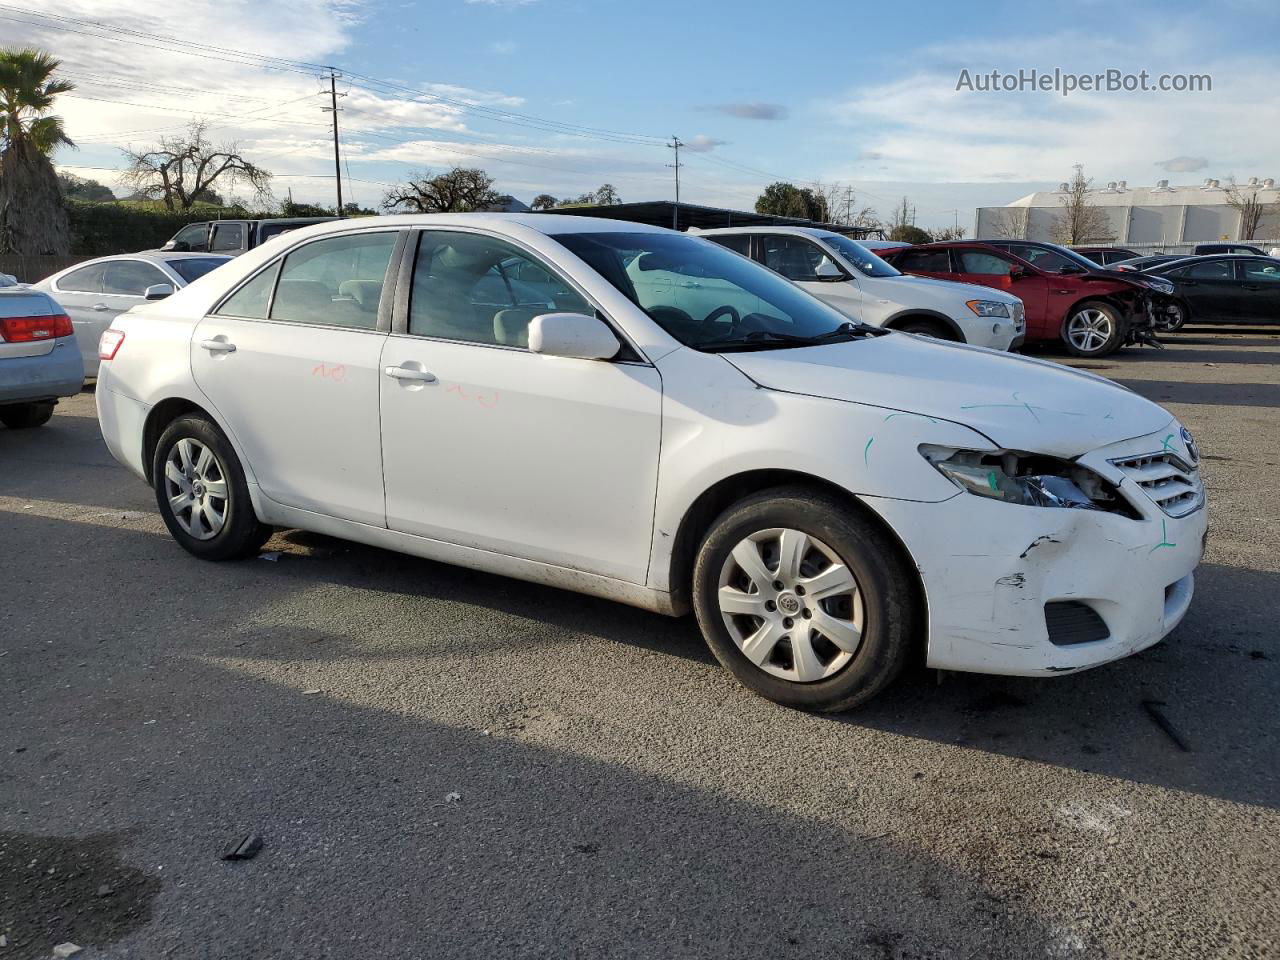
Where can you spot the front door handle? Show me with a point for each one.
(408, 373)
(100, 307)
(218, 346)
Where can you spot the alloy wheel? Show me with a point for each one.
(1089, 330)
(791, 605)
(196, 486)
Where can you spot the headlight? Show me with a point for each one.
(1029, 479)
(988, 308)
(1160, 284)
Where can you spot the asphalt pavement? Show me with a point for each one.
(442, 763)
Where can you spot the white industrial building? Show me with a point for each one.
(1147, 219)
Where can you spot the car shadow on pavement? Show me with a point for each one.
(403, 830)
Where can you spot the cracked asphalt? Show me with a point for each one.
(449, 764)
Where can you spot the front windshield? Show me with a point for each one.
(858, 256)
(706, 296)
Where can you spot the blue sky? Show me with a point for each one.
(860, 95)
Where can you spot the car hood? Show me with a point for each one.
(955, 288)
(1017, 402)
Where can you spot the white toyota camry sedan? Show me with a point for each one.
(524, 394)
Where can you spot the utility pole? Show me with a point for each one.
(333, 107)
(675, 145)
(848, 206)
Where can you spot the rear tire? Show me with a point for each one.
(23, 416)
(1093, 329)
(840, 628)
(202, 494)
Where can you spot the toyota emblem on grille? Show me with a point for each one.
(1192, 450)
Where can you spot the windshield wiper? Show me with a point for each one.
(774, 339)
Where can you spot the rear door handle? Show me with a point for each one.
(408, 373)
(100, 307)
(218, 346)
(1252, 286)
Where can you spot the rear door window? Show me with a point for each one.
(336, 281)
(737, 242)
(924, 261)
(227, 236)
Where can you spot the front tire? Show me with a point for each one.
(804, 600)
(926, 328)
(24, 416)
(202, 494)
(1093, 329)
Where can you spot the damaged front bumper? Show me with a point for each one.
(1036, 591)
(1144, 316)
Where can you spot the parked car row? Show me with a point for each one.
(1066, 297)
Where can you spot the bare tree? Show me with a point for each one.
(543, 201)
(1246, 202)
(840, 201)
(182, 169)
(1010, 223)
(947, 233)
(607, 195)
(460, 190)
(1080, 219)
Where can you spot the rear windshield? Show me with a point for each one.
(192, 268)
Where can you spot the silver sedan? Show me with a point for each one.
(95, 292)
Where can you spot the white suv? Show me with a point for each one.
(848, 276)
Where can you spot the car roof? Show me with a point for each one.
(545, 223)
(794, 231)
(151, 256)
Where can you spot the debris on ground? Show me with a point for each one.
(67, 949)
(244, 849)
(272, 555)
(452, 797)
(1153, 710)
(312, 692)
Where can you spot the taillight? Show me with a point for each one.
(109, 343)
(26, 329)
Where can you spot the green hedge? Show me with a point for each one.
(100, 229)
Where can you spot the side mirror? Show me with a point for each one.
(828, 271)
(1016, 272)
(158, 291)
(573, 335)
(177, 246)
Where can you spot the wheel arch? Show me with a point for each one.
(717, 498)
(171, 408)
(895, 321)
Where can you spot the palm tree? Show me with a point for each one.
(32, 217)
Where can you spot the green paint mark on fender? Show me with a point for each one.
(1167, 447)
(866, 451)
(991, 479)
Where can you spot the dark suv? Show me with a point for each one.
(1093, 311)
(234, 237)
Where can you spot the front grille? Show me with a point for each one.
(1167, 479)
(1070, 622)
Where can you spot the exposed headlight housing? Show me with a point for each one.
(1027, 479)
(1160, 284)
(988, 308)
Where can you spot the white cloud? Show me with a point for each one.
(921, 128)
(1183, 164)
(703, 143)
